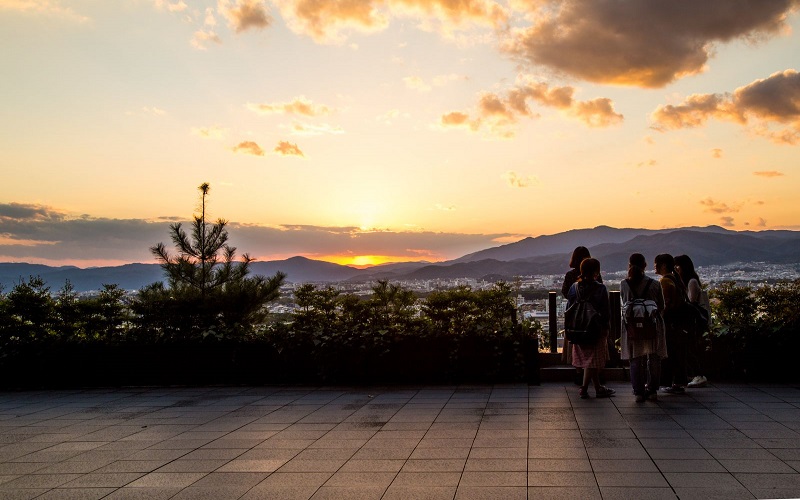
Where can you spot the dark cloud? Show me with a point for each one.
(23, 212)
(646, 43)
(245, 14)
(769, 107)
(26, 238)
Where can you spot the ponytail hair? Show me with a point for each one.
(636, 266)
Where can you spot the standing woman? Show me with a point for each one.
(592, 358)
(674, 373)
(645, 354)
(684, 268)
(570, 278)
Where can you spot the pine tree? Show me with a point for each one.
(208, 290)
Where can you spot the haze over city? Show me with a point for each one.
(390, 130)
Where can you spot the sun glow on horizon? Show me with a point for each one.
(364, 261)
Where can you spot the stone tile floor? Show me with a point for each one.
(433, 442)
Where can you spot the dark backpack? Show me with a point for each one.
(641, 315)
(689, 316)
(582, 322)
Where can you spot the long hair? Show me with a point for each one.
(578, 255)
(636, 266)
(687, 269)
(589, 267)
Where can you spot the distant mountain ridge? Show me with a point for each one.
(530, 256)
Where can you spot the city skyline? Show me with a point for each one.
(390, 130)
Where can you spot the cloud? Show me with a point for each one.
(644, 43)
(215, 132)
(498, 114)
(726, 221)
(299, 106)
(597, 112)
(42, 7)
(445, 208)
(29, 212)
(648, 163)
(770, 107)
(245, 14)
(416, 83)
(286, 148)
(154, 111)
(202, 38)
(331, 21)
(718, 207)
(716, 153)
(762, 222)
(248, 147)
(519, 181)
(768, 173)
(307, 129)
(30, 232)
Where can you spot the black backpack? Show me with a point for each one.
(582, 322)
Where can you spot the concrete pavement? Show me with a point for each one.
(428, 442)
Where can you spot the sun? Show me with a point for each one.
(362, 261)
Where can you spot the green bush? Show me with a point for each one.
(756, 331)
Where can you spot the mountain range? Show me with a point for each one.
(547, 254)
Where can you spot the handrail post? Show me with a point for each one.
(553, 321)
(614, 300)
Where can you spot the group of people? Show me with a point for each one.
(673, 340)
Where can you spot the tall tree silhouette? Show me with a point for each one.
(207, 289)
(204, 261)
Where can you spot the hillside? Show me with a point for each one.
(530, 256)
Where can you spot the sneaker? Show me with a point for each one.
(604, 392)
(583, 392)
(698, 381)
(673, 389)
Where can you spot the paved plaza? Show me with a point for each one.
(431, 442)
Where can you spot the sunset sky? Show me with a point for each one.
(366, 131)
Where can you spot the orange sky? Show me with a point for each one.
(390, 130)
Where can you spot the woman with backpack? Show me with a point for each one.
(580, 253)
(592, 357)
(684, 268)
(643, 341)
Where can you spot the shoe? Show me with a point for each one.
(698, 381)
(604, 392)
(652, 396)
(673, 389)
(583, 392)
(641, 398)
